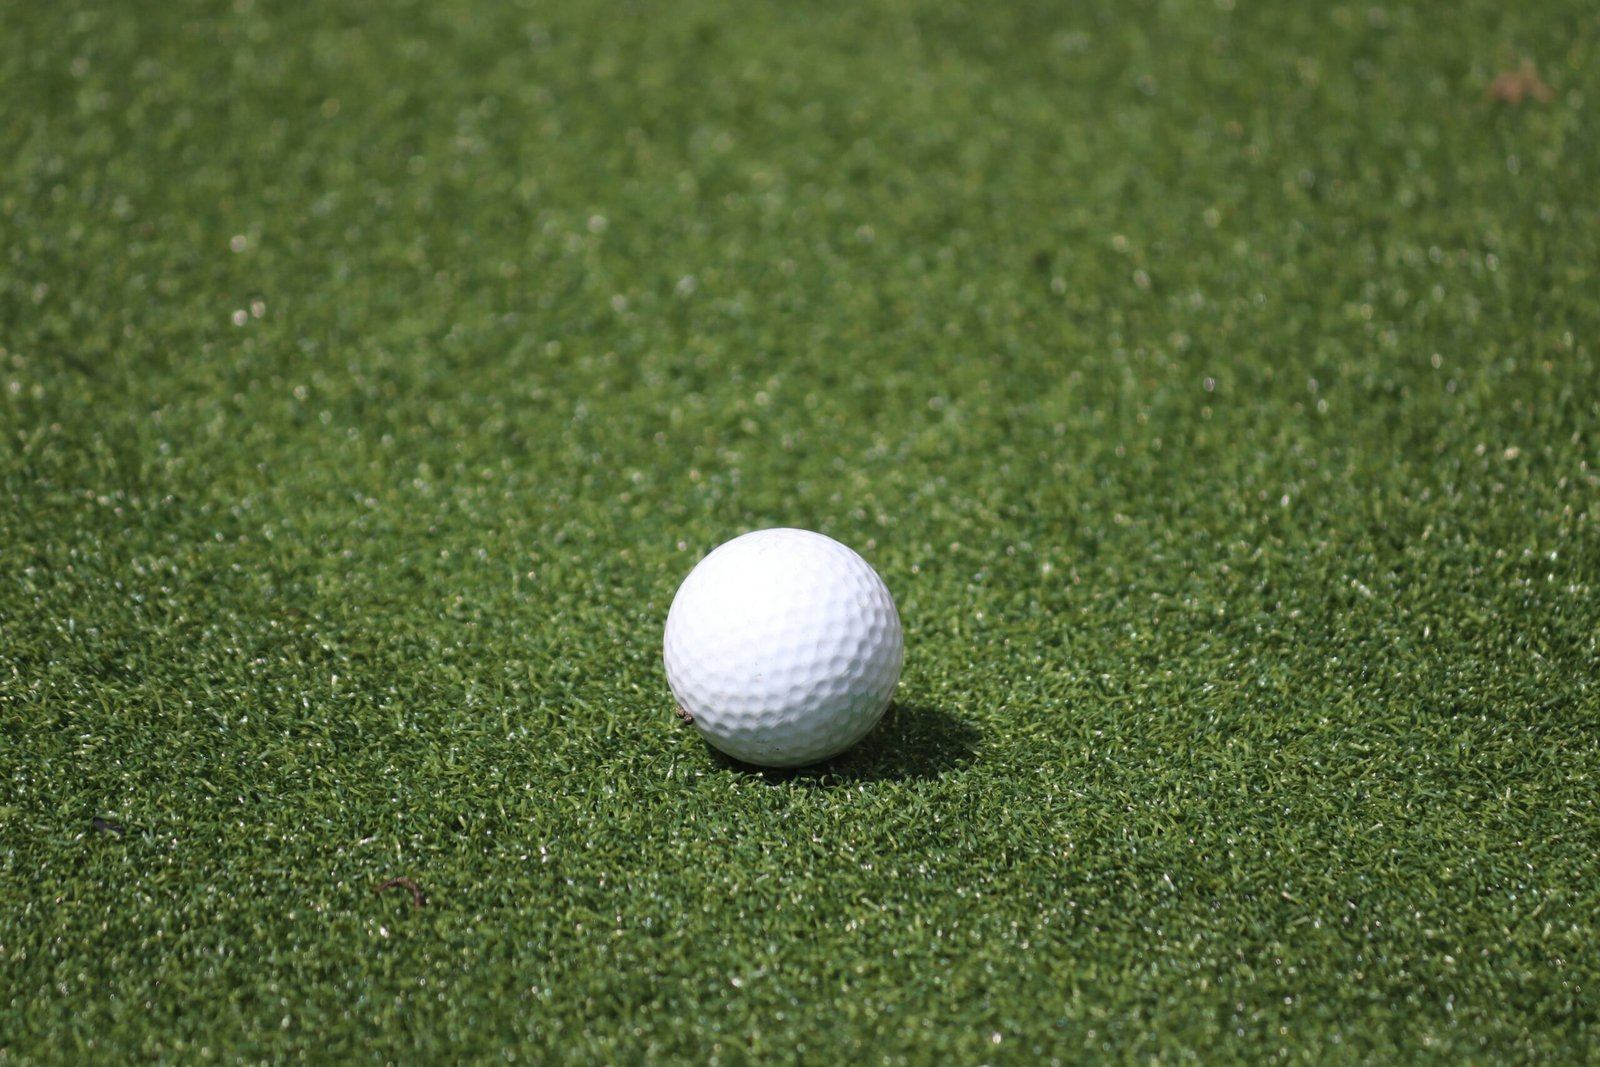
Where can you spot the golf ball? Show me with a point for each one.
(783, 647)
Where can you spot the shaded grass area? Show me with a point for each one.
(1213, 384)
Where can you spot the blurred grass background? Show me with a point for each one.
(1214, 384)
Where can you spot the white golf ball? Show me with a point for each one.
(784, 647)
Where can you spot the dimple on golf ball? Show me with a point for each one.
(783, 647)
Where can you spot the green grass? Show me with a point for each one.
(1215, 385)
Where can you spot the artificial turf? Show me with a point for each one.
(1213, 382)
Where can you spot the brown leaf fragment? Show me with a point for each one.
(1514, 86)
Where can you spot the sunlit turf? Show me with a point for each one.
(1215, 385)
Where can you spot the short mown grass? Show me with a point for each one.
(1215, 385)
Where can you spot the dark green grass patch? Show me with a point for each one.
(1214, 384)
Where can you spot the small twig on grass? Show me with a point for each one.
(684, 714)
(417, 898)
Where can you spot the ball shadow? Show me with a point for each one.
(914, 742)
